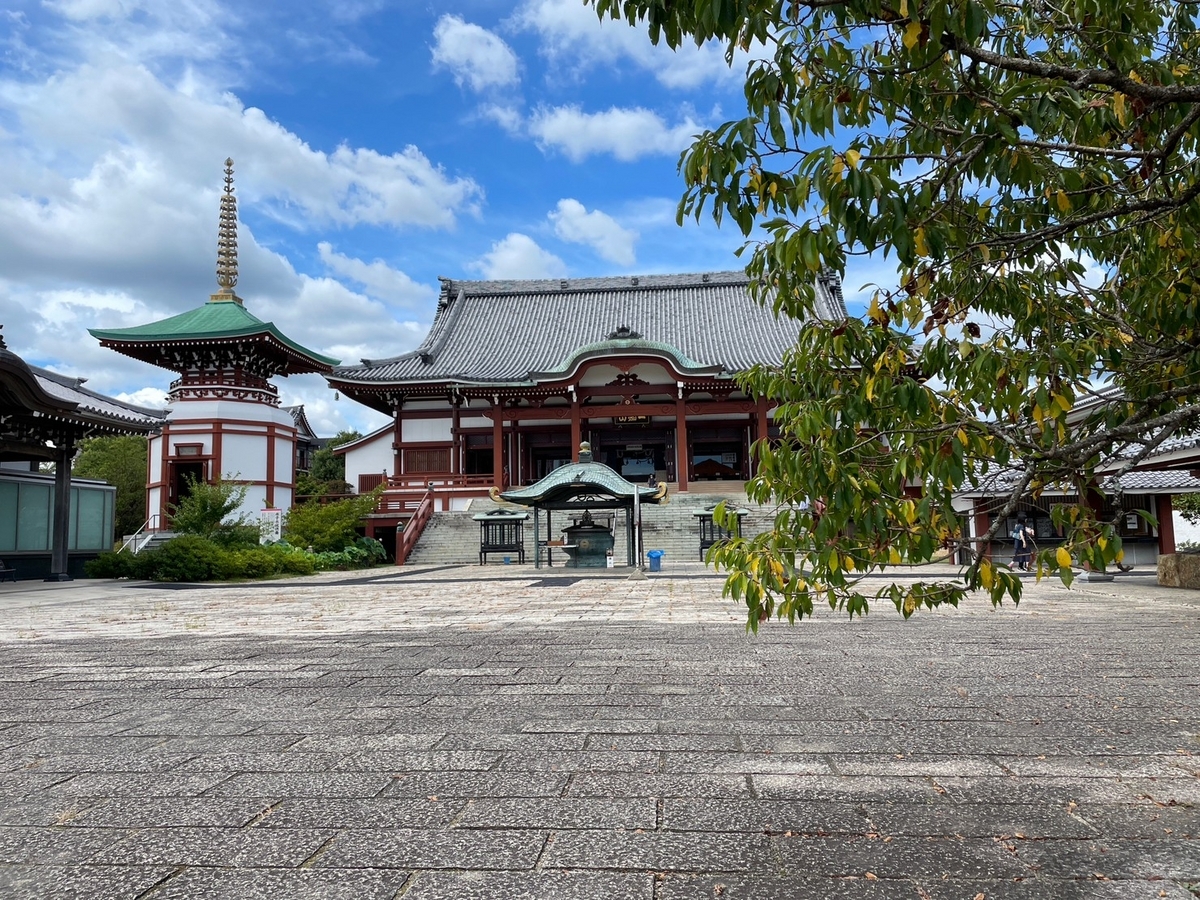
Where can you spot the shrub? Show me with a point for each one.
(109, 565)
(329, 527)
(189, 557)
(205, 508)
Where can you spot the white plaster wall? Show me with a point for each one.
(285, 460)
(227, 410)
(370, 457)
(427, 404)
(256, 499)
(417, 430)
(1184, 530)
(474, 422)
(204, 438)
(154, 450)
(244, 457)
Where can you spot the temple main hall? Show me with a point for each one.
(514, 375)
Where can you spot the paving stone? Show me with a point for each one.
(1054, 889)
(750, 763)
(849, 789)
(770, 887)
(55, 845)
(173, 812)
(135, 784)
(570, 885)
(376, 813)
(38, 882)
(304, 884)
(226, 764)
(226, 847)
(520, 741)
(635, 785)
(765, 816)
(562, 813)
(657, 851)
(977, 820)
(302, 784)
(422, 785)
(1167, 859)
(452, 849)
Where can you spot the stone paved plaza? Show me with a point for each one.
(506, 733)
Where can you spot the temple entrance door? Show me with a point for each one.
(182, 474)
(636, 453)
(546, 460)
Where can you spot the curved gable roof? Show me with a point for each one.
(509, 332)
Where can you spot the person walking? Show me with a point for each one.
(1022, 536)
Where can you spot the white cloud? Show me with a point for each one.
(379, 279)
(474, 55)
(121, 124)
(507, 117)
(601, 232)
(151, 397)
(573, 35)
(519, 256)
(627, 134)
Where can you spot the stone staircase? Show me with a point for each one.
(150, 541)
(452, 538)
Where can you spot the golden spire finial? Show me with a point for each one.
(227, 264)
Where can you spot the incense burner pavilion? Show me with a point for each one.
(514, 375)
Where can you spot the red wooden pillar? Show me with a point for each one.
(983, 521)
(763, 426)
(1166, 523)
(498, 444)
(455, 442)
(682, 451)
(576, 428)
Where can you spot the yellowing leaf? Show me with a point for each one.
(894, 556)
(919, 242)
(852, 158)
(838, 167)
(912, 34)
(1064, 202)
(1062, 557)
(1119, 107)
(904, 9)
(962, 437)
(986, 575)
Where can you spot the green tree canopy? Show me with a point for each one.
(328, 472)
(1030, 169)
(121, 461)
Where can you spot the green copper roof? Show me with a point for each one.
(218, 318)
(581, 479)
(629, 345)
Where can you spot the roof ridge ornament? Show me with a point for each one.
(3, 346)
(624, 333)
(227, 261)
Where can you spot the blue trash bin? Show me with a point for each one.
(655, 560)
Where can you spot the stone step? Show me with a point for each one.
(452, 538)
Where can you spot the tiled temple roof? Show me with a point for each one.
(506, 331)
(88, 403)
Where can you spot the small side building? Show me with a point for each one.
(51, 524)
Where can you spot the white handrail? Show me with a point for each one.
(149, 528)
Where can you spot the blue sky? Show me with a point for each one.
(377, 145)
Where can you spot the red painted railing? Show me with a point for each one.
(407, 537)
(440, 482)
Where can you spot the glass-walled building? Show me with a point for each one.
(27, 516)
